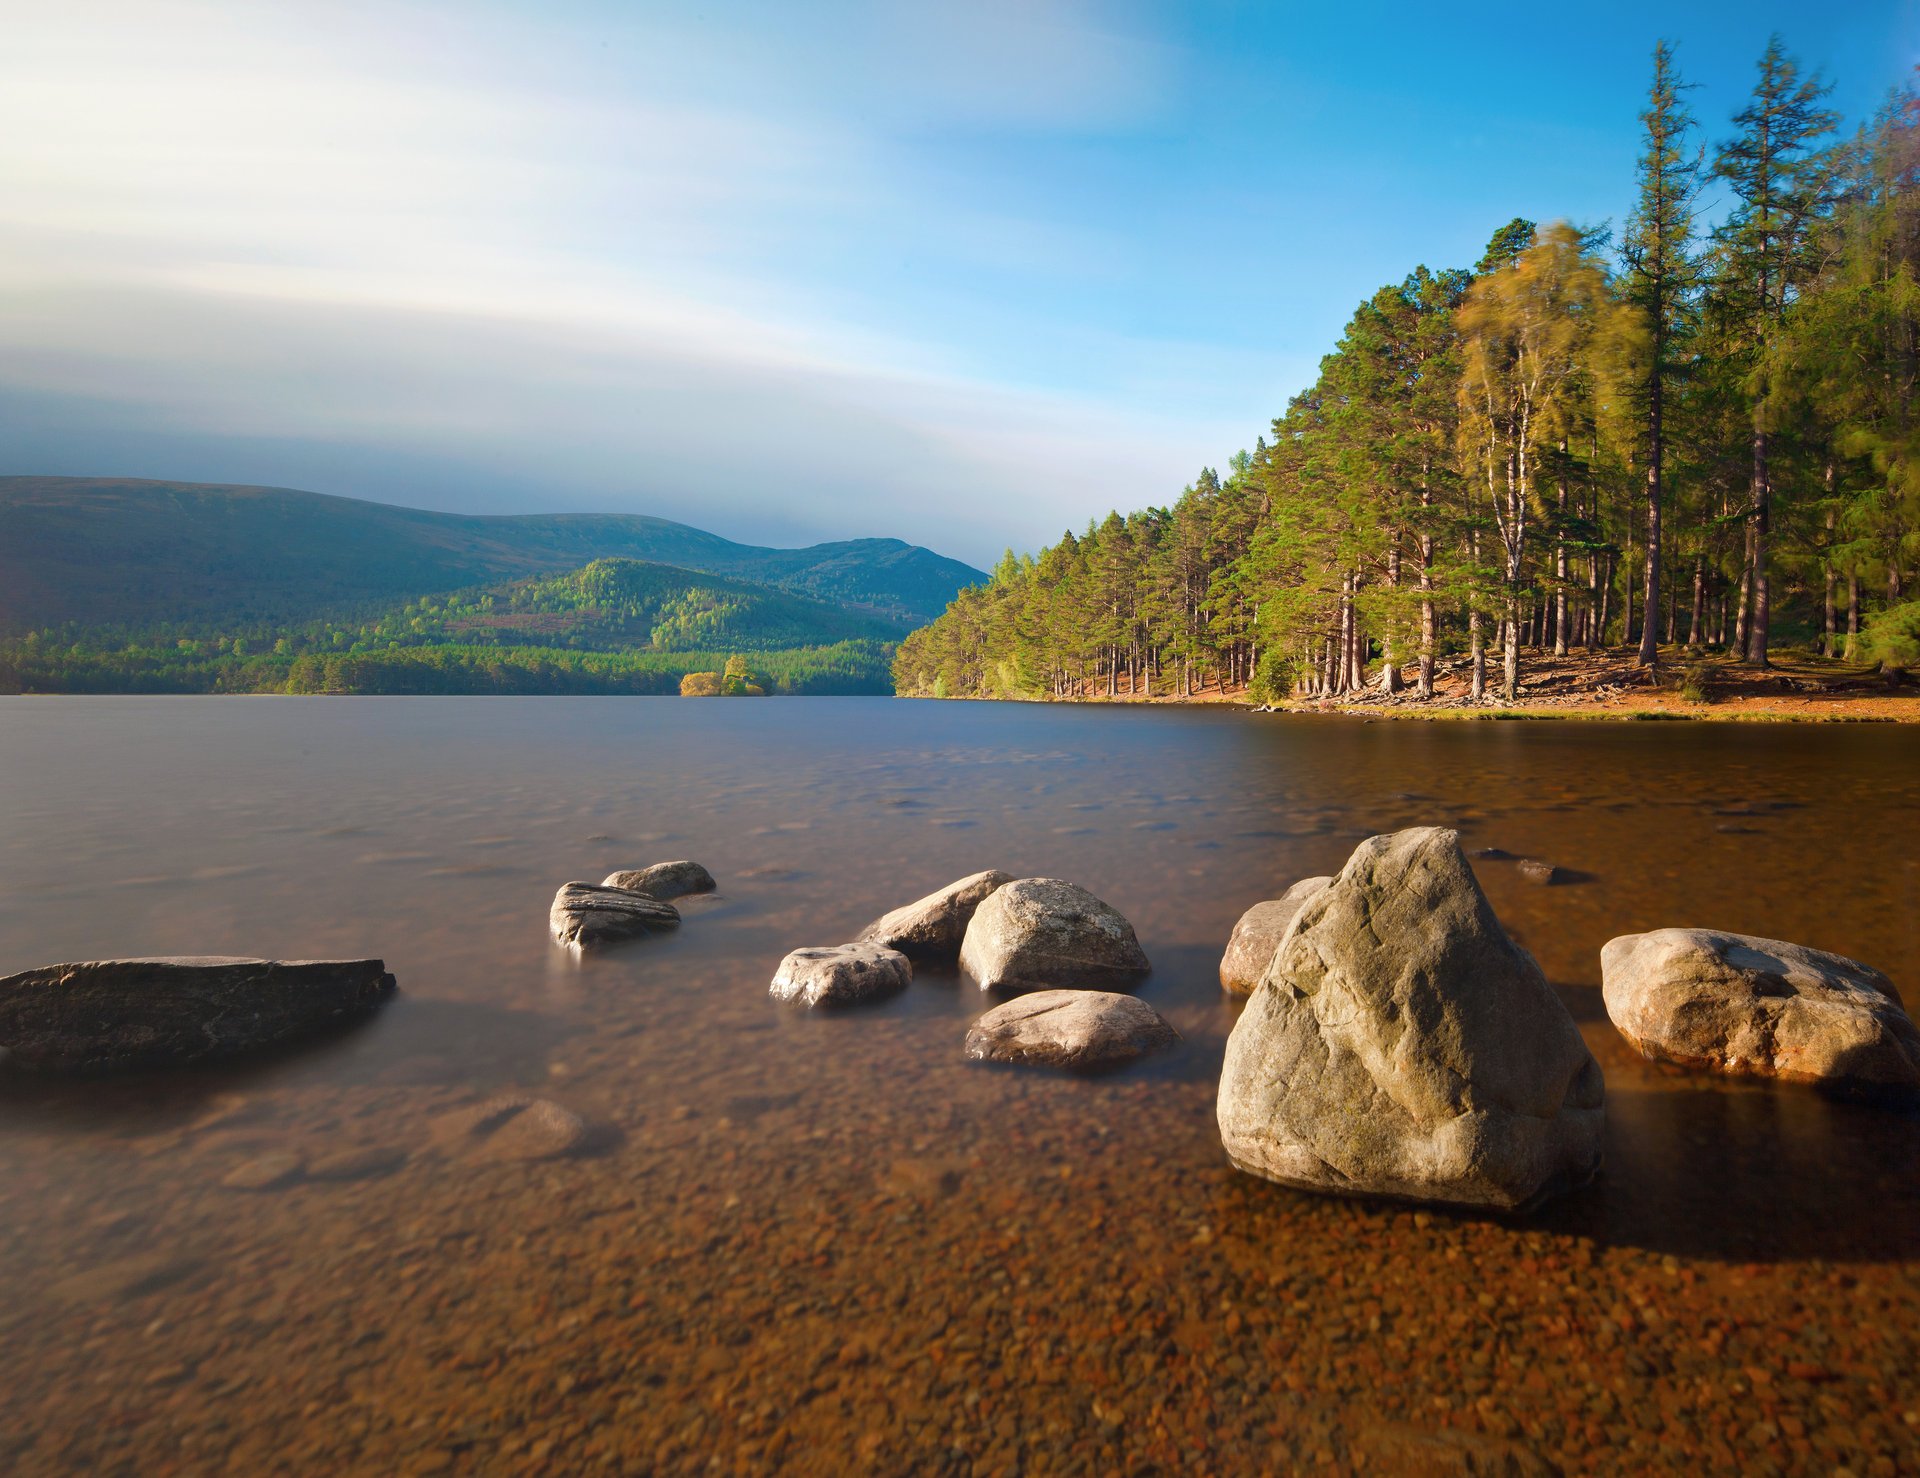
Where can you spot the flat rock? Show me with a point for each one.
(841, 974)
(585, 917)
(1401, 1045)
(1042, 934)
(933, 927)
(1070, 1028)
(113, 1015)
(1752, 1007)
(1536, 871)
(663, 880)
(1258, 934)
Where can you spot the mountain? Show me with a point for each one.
(132, 553)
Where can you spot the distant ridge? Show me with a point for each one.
(123, 551)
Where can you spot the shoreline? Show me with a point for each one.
(1609, 686)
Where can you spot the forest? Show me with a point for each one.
(612, 626)
(1693, 435)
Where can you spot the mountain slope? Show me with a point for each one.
(616, 605)
(126, 552)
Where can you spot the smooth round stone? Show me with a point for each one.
(1070, 1028)
(931, 928)
(1251, 946)
(663, 880)
(1762, 1008)
(1044, 933)
(841, 974)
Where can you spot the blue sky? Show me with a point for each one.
(965, 274)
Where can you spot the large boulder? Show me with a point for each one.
(1734, 1003)
(108, 1015)
(1070, 1028)
(664, 880)
(1401, 1045)
(933, 927)
(841, 974)
(584, 917)
(1042, 933)
(1258, 934)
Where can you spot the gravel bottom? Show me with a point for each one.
(781, 1265)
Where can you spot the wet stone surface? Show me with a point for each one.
(800, 1242)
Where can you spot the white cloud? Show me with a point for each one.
(447, 234)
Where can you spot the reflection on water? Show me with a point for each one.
(804, 1242)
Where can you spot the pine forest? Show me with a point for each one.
(1691, 434)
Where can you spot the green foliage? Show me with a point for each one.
(1892, 637)
(588, 631)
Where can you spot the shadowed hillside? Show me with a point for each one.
(123, 552)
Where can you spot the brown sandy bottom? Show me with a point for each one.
(827, 1243)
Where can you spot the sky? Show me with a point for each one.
(965, 274)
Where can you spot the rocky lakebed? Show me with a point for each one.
(1308, 1157)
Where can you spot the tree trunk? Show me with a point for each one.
(1694, 632)
(1761, 518)
(1427, 624)
(1389, 672)
(1476, 636)
(1560, 563)
(1512, 673)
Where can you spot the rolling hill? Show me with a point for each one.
(617, 605)
(132, 554)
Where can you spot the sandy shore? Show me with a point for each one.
(1796, 688)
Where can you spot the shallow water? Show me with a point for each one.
(829, 1243)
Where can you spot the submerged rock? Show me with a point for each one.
(510, 1126)
(664, 880)
(585, 917)
(364, 1163)
(1042, 933)
(933, 927)
(1070, 1028)
(1536, 871)
(109, 1015)
(268, 1172)
(841, 974)
(1734, 1003)
(1258, 934)
(1401, 1045)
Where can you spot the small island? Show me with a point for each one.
(735, 681)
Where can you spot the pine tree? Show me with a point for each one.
(1660, 279)
(1781, 186)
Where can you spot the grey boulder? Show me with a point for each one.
(664, 880)
(933, 927)
(841, 974)
(1258, 934)
(584, 917)
(111, 1015)
(1401, 1045)
(1738, 1004)
(1042, 933)
(1070, 1028)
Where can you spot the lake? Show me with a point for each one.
(828, 1243)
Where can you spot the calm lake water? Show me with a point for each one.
(830, 1244)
